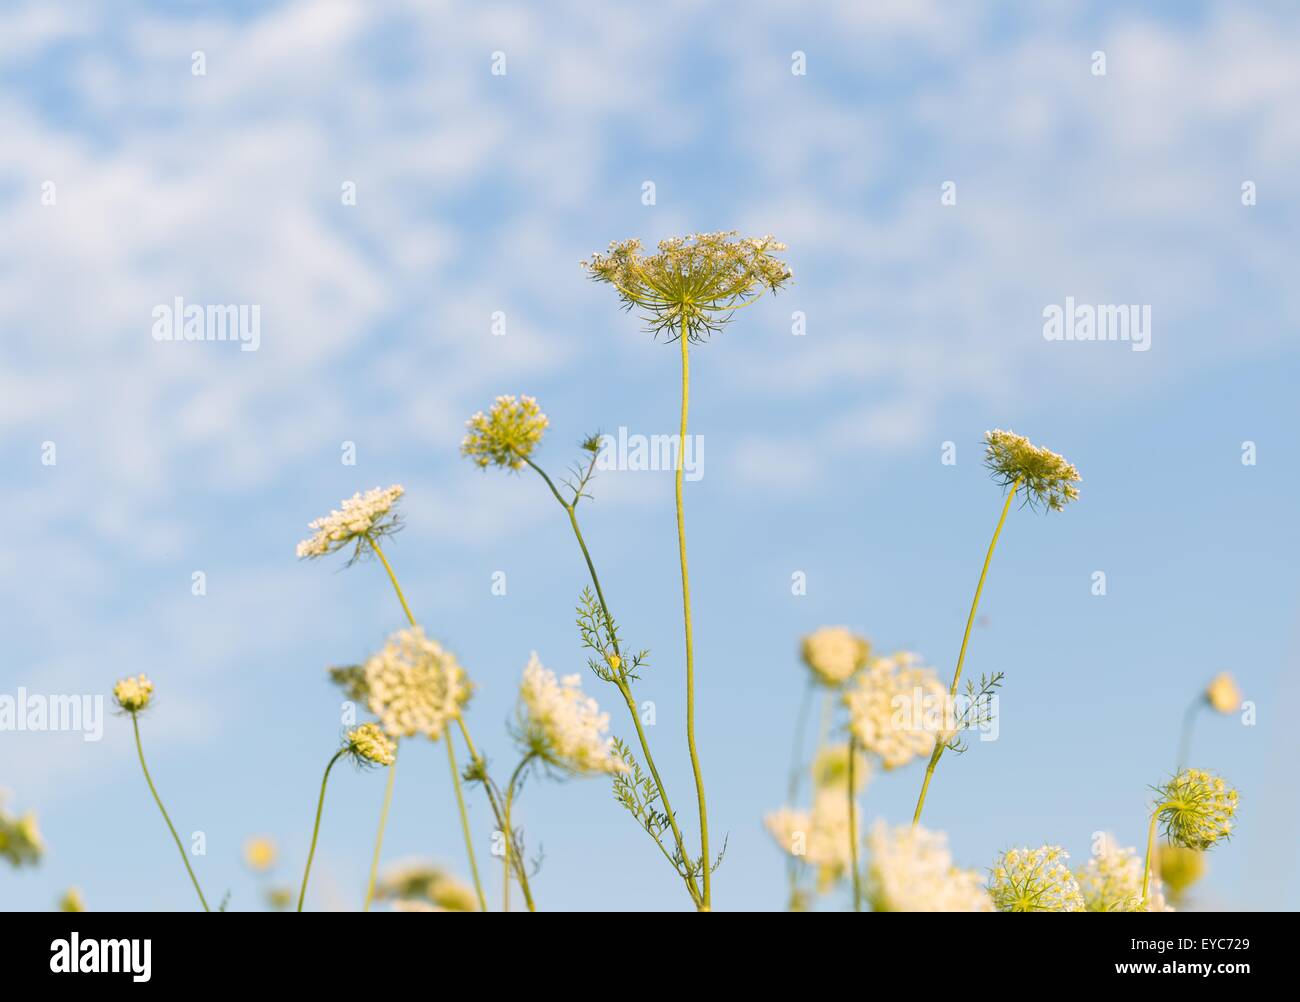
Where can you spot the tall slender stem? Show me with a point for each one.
(939, 745)
(1185, 739)
(706, 861)
(853, 825)
(1151, 841)
(510, 833)
(135, 724)
(455, 774)
(315, 831)
(624, 689)
(379, 836)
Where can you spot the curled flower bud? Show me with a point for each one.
(1035, 880)
(834, 653)
(1222, 694)
(360, 516)
(368, 743)
(1047, 478)
(133, 694)
(506, 435)
(1196, 809)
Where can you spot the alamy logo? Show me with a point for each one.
(102, 956)
(177, 321)
(1084, 322)
(33, 711)
(651, 452)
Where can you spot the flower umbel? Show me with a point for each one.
(421, 886)
(20, 839)
(1111, 881)
(820, 837)
(1046, 478)
(506, 435)
(1035, 880)
(911, 870)
(898, 709)
(362, 515)
(564, 727)
(1196, 809)
(834, 653)
(694, 281)
(368, 744)
(414, 685)
(133, 694)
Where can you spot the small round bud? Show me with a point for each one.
(133, 694)
(370, 744)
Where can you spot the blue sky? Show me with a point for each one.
(479, 193)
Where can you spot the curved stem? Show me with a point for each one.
(961, 656)
(320, 805)
(1185, 739)
(464, 820)
(135, 724)
(1151, 840)
(510, 836)
(379, 837)
(393, 578)
(853, 826)
(706, 861)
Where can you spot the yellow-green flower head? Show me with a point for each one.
(260, 853)
(72, 901)
(420, 886)
(1111, 881)
(830, 770)
(1035, 880)
(369, 514)
(695, 281)
(1222, 694)
(1196, 809)
(133, 694)
(506, 435)
(20, 838)
(371, 745)
(834, 653)
(820, 836)
(279, 899)
(414, 685)
(1046, 478)
(910, 869)
(898, 709)
(1179, 867)
(563, 725)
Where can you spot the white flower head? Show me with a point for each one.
(414, 685)
(819, 836)
(1111, 881)
(834, 653)
(506, 435)
(563, 725)
(361, 517)
(910, 869)
(898, 709)
(1035, 880)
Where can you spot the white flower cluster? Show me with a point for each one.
(898, 709)
(359, 515)
(1111, 881)
(910, 870)
(820, 837)
(1035, 880)
(834, 653)
(414, 685)
(566, 726)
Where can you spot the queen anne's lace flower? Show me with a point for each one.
(418, 886)
(369, 514)
(133, 694)
(563, 725)
(910, 869)
(696, 280)
(1196, 809)
(20, 838)
(898, 709)
(414, 685)
(819, 837)
(371, 745)
(834, 653)
(1222, 694)
(1035, 880)
(1047, 478)
(506, 435)
(1111, 881)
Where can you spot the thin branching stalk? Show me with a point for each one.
(315, 832)
(379, 836)
(939, 744)
(853, 825)
(135, 724)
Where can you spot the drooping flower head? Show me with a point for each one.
(413, 685)
(1196, 809)
(1035, 880)
(506, 435)
(696, 280)
(1046, 478)
(1222, 694)
(361, 517)
(1111, 881)
(834, 653)
(369, 745)
(898, 709)
(830, 769)
(133, 694)
(562, 725)
(20, 838)
(421, 886)
(910, 869)
(820, 836)
(260, 853)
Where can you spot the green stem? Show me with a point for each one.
(379, 837)
(961, 657)
(1151, 841)
(624, 689)
(796, 775)
(510, 835)
(1185, 739)
(521, 869)
(853, 825)
(320, 806)
(706, 861)
(135, 723)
